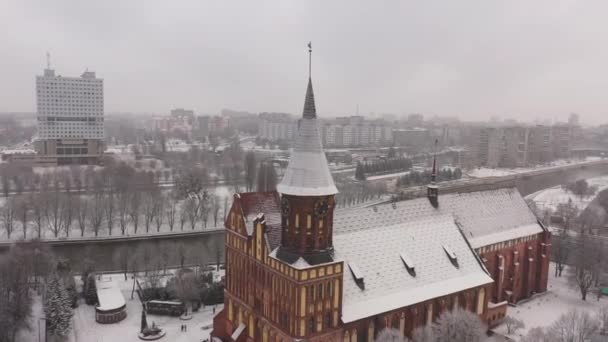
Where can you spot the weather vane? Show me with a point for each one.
(309, 59)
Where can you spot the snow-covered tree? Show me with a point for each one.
(513, 324)
(536, 334)
(453, 326)
(573, 326)
(390, 335)
(57, 307)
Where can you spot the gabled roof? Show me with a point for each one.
(388, 285)
(267, 203)
(485, 217)
(307, 173)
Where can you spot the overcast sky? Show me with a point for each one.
(472, 59)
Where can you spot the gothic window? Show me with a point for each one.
(311, 325)
(328, 320)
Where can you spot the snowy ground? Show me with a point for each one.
(84, 327)
(549, 199)
(483, 172)
(387, 176)
(546, 308)
(221, 191)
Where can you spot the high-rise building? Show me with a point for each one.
(70, 117)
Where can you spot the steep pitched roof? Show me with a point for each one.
(307, 173)
(267, 203)
(388, 285)
(485, 217)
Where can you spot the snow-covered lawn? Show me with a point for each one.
(388, 175)
(85, 327)
(546, 308)
(549, 199)
(483, 172)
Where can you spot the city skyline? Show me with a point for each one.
(473, 60)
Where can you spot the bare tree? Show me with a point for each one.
(159, 208)
(215, 208)
(171, 211)
(8, 216)
(69, 212)
(458, 325)
(76, 173)
(38, 212)
(573, 326)
(267, 177)
(22, 213)
(513, 324)
(536, 334)
(6, 182)
(583, 264)
(109, 210)
(82, 213)
(562, 246)
(134, 209)
(149, 208)
(96, 212)
(390, 335)
(122, 210)
(183, 215)
(568, 212)
(602, 316)
(192, 211)
(250, 170)
(54, 213)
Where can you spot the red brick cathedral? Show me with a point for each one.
(299, 270)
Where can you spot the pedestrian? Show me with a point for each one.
(185, 327)
(214, 310)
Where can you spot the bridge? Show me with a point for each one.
(526, 182)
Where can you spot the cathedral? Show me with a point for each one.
(297, 269)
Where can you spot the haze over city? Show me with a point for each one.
(473, 59)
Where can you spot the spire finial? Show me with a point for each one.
(48, 60)
(434, 170)
(309, 59)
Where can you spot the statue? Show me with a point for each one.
(144, 322)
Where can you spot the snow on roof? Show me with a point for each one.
(255, 203)
(109, 295)
(507, 235)
(238, 331)
(376, 252)
(307, 173)
(500, 213)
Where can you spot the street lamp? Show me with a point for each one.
(39, 337)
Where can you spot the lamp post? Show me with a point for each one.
(39, 337)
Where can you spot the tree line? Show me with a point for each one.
(381, 166)
(414, 178)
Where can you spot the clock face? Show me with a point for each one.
(285, 206)
(321, 207)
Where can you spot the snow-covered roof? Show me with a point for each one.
(375, 254)
(109, 296)
(307, 173)
(485, 217)
(238, 331)
(506, 235)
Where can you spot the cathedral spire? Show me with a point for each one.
(307, 173)
(432, 189)
(310, 110)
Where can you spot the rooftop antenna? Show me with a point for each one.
(357, 109)
(48, 60)
(309, 59)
